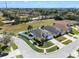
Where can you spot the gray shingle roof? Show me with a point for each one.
(37, 32)
(51, 29)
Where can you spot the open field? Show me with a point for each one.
(2, 18)
(24, 26)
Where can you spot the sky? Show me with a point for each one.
(40, 4)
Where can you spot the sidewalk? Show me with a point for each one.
(70, 38)
(13, 54)
(59, 44)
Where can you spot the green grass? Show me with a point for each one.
(41, 23)
(19, 56)
(52, 49)
(70, 56)
(75, 31)
(7, 49)
(75, 37)
(0, 48)
(67, 42)
(31, 45)
(60, 38)
(14, 46)
(24, 26)
(70, 34)
(78, 50)
(33, 40)
(47, 44)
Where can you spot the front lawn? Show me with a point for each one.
(70, 34)
(75, 37)
(61, 38)
(47, 44)
(75, 31)
(67, 42)
(52, 49)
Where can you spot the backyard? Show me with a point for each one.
(24, 26)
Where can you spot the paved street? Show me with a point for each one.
(28, 52)
(13, 54)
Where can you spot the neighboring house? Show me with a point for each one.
(48, 32)
(63, 26)
(59, 27)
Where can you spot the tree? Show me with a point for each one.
(6, 39)
(29, 27)
(58, 18)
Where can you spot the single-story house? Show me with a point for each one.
(53, 30)
(64, 26)
(39, 33)
(59, 27)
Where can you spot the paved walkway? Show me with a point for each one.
(70, 38)
(46, 48)
(59, 44)
(64, 40)
(76, 36)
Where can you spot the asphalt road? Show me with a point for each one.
(28, 52)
